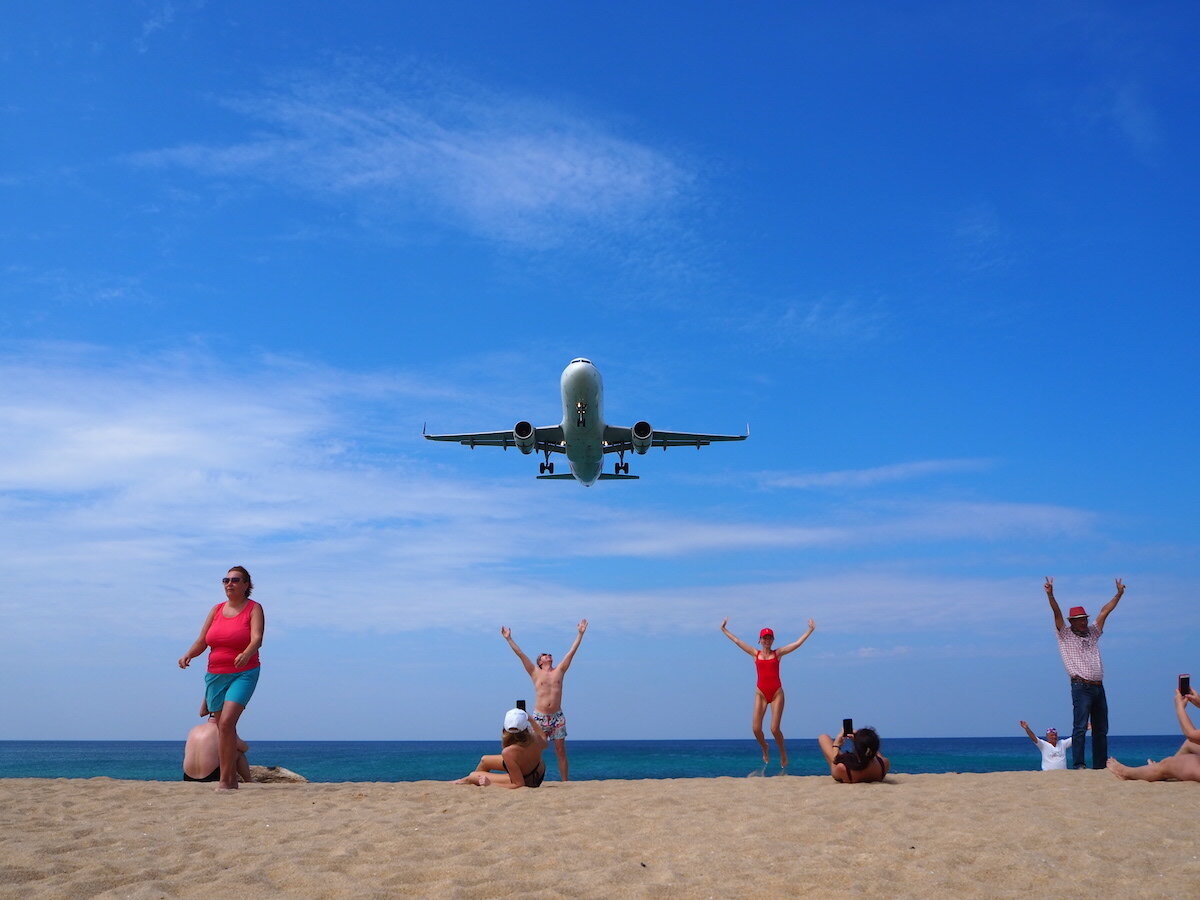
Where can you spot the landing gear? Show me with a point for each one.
(580, 413)
(547, 467)
(621, 465)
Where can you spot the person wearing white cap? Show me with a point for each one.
(519, 762)
(1054, 751)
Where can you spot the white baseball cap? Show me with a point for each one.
(516, 720)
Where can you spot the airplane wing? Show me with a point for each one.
(618, 439)
(604, 476)
(548, 438)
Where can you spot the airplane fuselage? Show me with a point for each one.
(583, 419)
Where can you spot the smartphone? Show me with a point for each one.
(847, 726)
(1185, 684)
(520, 704)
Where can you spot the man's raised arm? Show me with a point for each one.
(1029, 731)
(506, 633)
(1110, 605)
(1058, 619)
(566, 662)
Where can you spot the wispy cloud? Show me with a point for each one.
(824, 323)
(502, 166)
(162, 469)
(1136, 120)
(863, 478)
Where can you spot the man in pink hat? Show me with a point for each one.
(1079, 646)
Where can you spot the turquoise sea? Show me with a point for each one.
(590, 760)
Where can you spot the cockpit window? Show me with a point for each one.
(582, 360)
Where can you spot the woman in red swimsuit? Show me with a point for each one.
(769, 691)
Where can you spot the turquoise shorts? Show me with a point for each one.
(236, 687)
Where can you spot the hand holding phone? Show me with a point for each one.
(1185, 684)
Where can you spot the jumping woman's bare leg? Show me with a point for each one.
(227, 745)
(760, 709)
(777, 727)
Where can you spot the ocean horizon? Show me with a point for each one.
(590, 760)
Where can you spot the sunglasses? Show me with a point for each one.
(236, 579)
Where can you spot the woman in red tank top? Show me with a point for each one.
(769, 691)
(232, 633)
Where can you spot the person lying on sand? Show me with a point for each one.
(863, 763)
(519, 762)
(1183, 766)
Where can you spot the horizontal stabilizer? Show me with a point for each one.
(572, 477)
(605, 476)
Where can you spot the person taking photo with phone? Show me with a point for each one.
(1184, 765)
(862, 762)
(1079, 646)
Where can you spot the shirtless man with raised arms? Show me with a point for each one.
(547, 692)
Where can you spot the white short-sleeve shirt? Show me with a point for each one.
(1054, 756)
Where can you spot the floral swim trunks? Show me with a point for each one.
(554, 724)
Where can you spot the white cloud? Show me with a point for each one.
(826, 321)
(861, 478)
(128, 479)
(500, 166)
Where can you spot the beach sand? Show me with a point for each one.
(1083, 833)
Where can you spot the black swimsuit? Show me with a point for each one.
(214, 775)
(534, 779)
(852, 763)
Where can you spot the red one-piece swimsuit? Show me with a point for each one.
(768, 675)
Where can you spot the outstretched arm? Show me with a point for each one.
(1110, 605)
(1058, 618)
(1185, 724)
(566, 660)
(201, 643)
(506, 633)
(1029, 731)
(788, 648)
(737, 640)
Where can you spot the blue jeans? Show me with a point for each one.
(1088, 702)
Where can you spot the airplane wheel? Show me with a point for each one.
(541, 468)
(550, 468)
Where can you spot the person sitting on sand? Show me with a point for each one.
(201, 753)
(863, 763)
(519, 762)
(1054, 751)
(1183, 766)
(769, 691)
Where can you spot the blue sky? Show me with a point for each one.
(942, 260)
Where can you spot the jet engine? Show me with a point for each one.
(640, 435)
(524, 437)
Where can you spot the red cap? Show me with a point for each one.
(766, 632)
(1077, 612)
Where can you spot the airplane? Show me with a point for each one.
(583, 435)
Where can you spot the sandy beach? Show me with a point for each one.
(993, 835)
